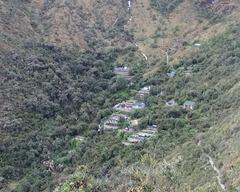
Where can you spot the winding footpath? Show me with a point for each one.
(210, 159)
(129, 20)
(219, 175)
(144, 56)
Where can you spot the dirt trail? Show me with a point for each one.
(219, 175)
(144, 56)
(129, 20)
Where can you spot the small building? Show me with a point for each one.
(139, 105)
(130, 105)
(134, 123)
(121, 69)
(154, 127)
(150, 131)
(171, 74)
(112, 123)
(197, 44)
(143, 92)
(189, 105)
(127, 143)
(79, 138)
(171, 103)
(135, 139)
(144, 134)
(110, 126)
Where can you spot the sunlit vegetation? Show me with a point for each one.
(165, 6)
(217, 59)
(53, 100)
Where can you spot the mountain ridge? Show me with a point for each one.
(58, 84)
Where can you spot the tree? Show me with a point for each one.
(121, 83)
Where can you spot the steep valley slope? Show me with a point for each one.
(57, 84)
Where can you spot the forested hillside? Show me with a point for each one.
(68, 67)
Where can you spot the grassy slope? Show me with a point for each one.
(34, 63)
(185, 166)
(223, 136)
(221, 141)
(183, 25)
(174, 161)
(193, 171)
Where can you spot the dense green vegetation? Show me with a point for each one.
(66, 93)
(213, 11)
(56, 95)
(214, 61)
(54, 98)
(165, 6)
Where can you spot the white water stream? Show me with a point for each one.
(129, 4)
(130, 19)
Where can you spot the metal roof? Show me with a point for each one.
(189, 103)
